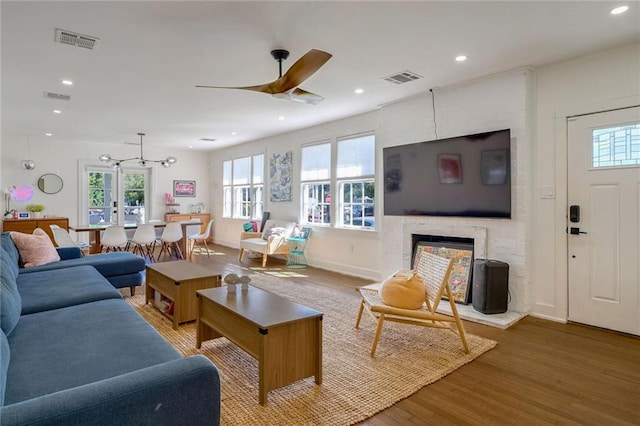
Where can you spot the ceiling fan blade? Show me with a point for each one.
(303, 96)
(304, 68)
(265, 88)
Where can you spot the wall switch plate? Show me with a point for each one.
(548, 191)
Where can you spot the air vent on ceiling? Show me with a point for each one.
(402, 77)
(76, 39)
(207, 140)
(57, 96)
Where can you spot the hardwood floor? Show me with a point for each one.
(541, 372)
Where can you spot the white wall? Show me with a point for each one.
(605, 80)
(61, 158)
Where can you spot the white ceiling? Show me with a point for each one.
(142, 75)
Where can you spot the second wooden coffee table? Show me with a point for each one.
(179, 282)
(285, 337)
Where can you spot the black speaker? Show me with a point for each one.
(490, 292)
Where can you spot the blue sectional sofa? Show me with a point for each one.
(121, 269)
(73, 352)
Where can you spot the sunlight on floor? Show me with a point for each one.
(200, 252)
(285, 274)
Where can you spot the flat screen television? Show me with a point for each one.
(468, 176)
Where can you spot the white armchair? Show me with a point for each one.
(272, 240)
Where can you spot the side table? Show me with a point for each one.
(296, 252)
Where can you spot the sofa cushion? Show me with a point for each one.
(9, 253)
(35, 249)
(255, 244)
(10, 303)
(124, 281)
(108, 264)
(5, 355)
(94, 341)
(46, 290)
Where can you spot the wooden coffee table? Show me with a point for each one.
(285, 337)
(179, 281)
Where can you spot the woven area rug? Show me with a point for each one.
(355, 386)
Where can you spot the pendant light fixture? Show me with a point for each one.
(115, 163)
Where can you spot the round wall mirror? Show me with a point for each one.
(50, 183)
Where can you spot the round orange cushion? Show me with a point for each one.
(404, 289)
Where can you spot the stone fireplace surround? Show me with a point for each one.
(479, 235)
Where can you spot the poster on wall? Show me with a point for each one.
(184, 188)
(460, 271)
(281, 170)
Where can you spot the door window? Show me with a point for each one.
(616, 146)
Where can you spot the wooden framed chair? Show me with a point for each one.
(272, 240)
(435, 271)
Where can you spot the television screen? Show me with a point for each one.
(462, 176)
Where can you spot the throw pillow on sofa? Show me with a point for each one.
(273, 230)
(35, 249)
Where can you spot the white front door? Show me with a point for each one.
(603, 221)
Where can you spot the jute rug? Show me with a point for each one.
(355, 386)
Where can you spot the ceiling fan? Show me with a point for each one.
(286, 86)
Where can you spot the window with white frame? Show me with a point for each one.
(243, 187)
(315, 183)
(355, 179)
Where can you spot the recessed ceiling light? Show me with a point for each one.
(48, 134)
(281, 117)
(358, 91)
(190, 146)
(618, 10)
(67, 82)
(461, 58)
(57, 111)
(234, 133)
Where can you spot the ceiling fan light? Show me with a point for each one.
(143, 163)
(172, 160)
(281, 96)
(105, 158)
(116, 165)
(165, 164)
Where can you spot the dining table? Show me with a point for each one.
(94, 231)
